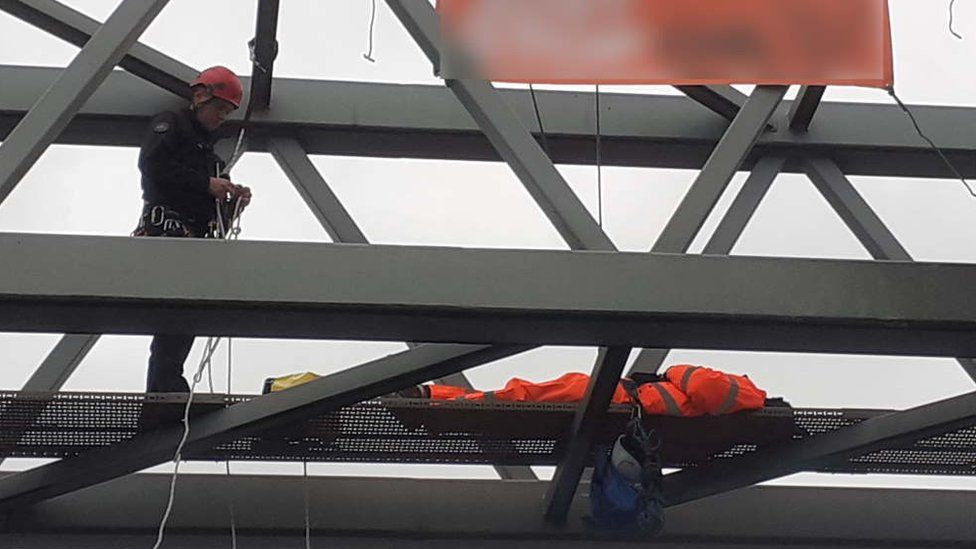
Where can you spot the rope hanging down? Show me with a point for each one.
(372, 21)
(599, 166)
(230, 496)
(538, 117)
(959, 176)
(231, 231)
(952, 8)
(308, 526)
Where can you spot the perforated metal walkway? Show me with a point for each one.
(421, 431)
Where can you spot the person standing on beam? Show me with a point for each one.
(184, 185)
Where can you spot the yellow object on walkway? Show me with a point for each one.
(275, 384)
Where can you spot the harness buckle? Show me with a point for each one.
(161, 211)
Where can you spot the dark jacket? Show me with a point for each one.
(177, 161)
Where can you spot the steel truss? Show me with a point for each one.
(807, 305)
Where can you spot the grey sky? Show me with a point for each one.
(94, 190)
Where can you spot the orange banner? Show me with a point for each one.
(821, 42)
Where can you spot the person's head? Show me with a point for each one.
(217, 92)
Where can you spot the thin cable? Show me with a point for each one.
(891, 91)
(178, 455)
(210, 377)
(308, 527)
(230, 351)
(230, 508)
(239, 147)
(952, 6)
(538, 117)
(235, 231)
(372, 21)
(599, 166)
(205, 363)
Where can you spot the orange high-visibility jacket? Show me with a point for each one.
(716, 392)
(660, 398)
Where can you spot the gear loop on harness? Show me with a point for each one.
(161, 211)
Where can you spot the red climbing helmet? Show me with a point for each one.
(222, 83)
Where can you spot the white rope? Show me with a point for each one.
(308, 528)
(177, 457)
(210, 382)
(205, 363)
(230, 499)
(230, 508)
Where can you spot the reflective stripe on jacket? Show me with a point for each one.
(716, 392)
(664, 399)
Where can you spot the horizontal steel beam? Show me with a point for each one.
(127, 285)
(55, 107)
(390, 120)
(445, 509)
(509, 136)
(887, 431)
(77, 28)
(151, 448)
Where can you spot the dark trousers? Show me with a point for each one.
(167, 353)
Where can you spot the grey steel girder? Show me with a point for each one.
(444, 510)
(745, 129)
(77, 28)
(589, 417)
(516, 145)
(315, 191)
(724, 101)
(848, 442)
(328, 393)
(127, 285)
(861, 219)
(707, 190)
(719, 170)
(60, 363)
(165, 72)
(264, 53)
(59, 103)
(336, 221)
(804, 107)
(58, 366)
(744, 205)
(415, 121)
(510, 137)
(854, 211)
(726, 234)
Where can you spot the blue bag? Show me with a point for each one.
(618, 503)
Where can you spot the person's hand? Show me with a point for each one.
(221, 188)
(244, 193)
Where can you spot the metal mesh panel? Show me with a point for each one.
(422, 431)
